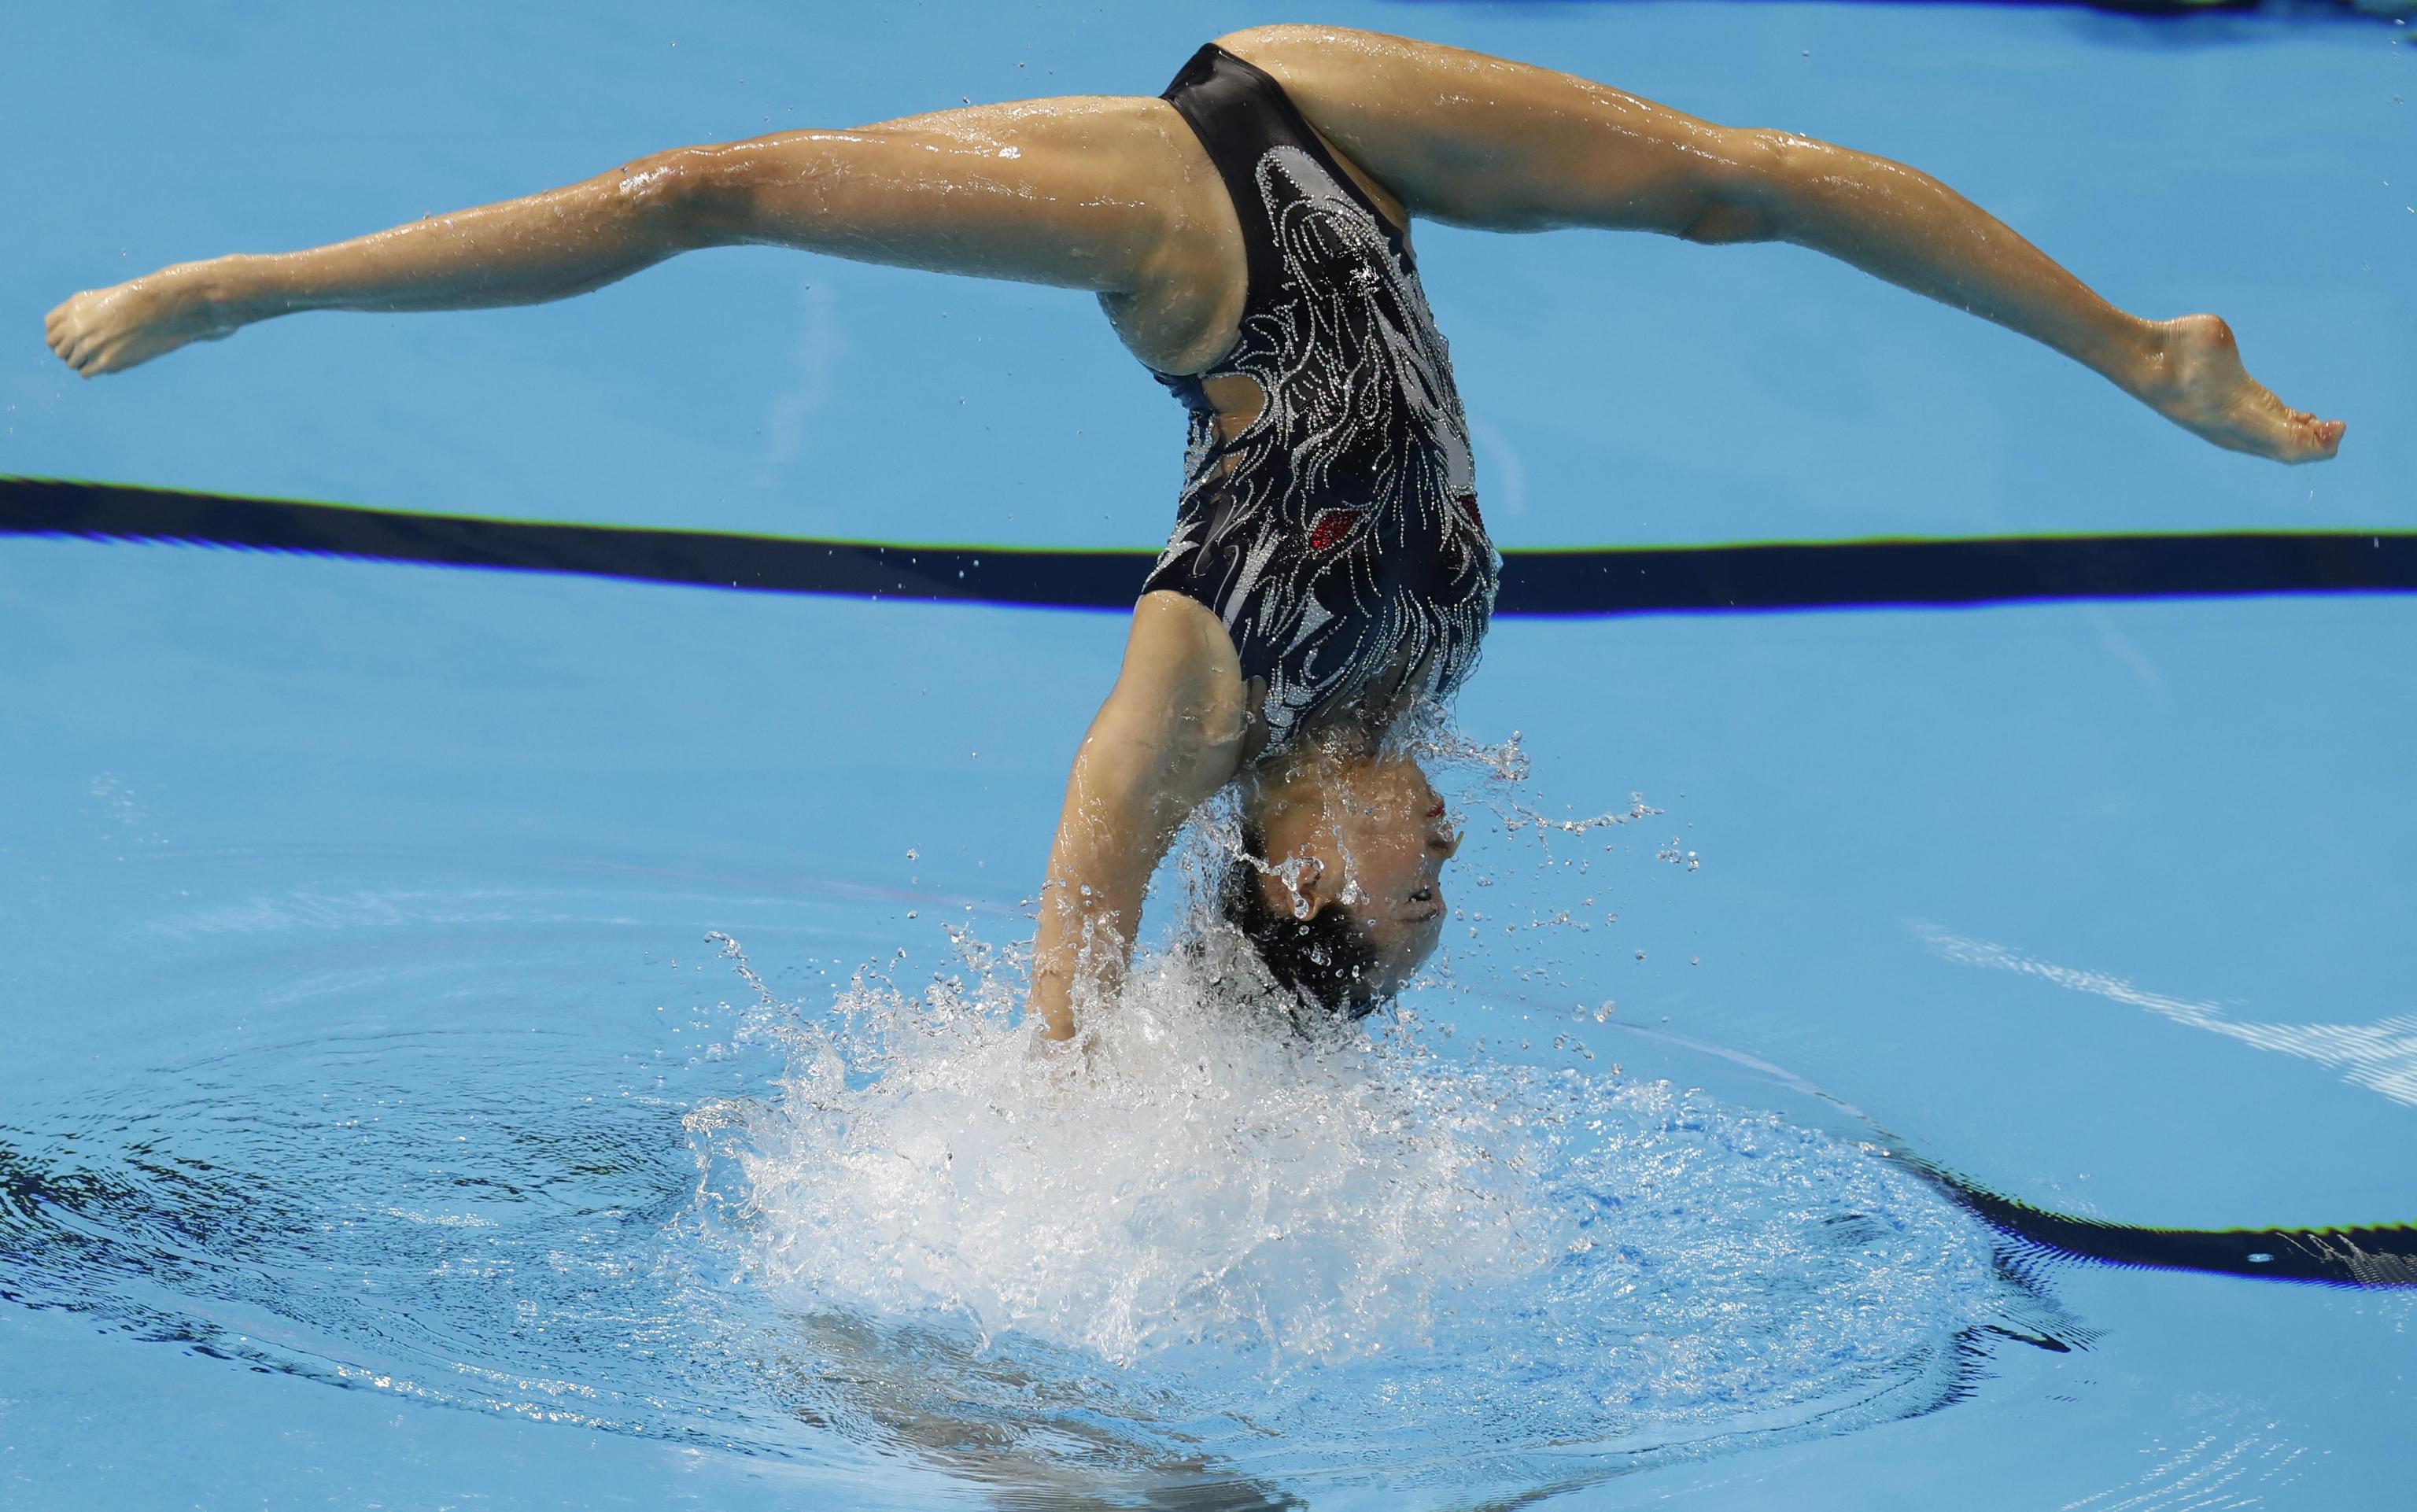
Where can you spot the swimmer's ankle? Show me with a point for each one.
(2140, 358)
(236, 290)
(2194, 378)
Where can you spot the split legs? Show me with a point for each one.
(1477, 140)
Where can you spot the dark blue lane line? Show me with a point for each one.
(1941, 573)
(773, 564)
(1585, 582)
(2381, 1255)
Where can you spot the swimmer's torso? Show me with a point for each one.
(1335, 534)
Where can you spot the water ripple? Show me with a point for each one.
(1224, 1265)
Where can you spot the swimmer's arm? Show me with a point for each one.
(1168, 738)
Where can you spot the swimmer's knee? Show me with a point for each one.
(681, 193)
(656, 184)
(1743, 188)
(702, 196)
(1723, 224)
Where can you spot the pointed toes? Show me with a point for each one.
(2313, 440)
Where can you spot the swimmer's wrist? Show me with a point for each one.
(1056, 1023)
(1054, 1049)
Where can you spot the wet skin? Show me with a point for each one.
(1366, 834)
(1113, 194)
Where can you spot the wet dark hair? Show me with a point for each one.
(1327, 958)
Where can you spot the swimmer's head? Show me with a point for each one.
(1350, 902)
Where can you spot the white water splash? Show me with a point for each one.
(1325, 1248)
(1204, 1177)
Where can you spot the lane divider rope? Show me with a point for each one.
(1571, 582)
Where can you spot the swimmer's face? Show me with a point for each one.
(1377, 837)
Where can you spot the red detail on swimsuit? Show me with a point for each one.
(1468, 502)
(1331, 527)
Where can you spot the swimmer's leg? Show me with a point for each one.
(1078, 192)
(1477, 140)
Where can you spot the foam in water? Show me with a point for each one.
(1333, 1250)
(1218, 1253)
(1204, 1178)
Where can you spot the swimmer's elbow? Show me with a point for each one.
(1157, 776)
(1145, 776)
(1174, 740)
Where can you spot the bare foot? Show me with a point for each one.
(2196, 381)
(110, 330)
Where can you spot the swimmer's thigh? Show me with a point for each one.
(1108, 194)
(1484, 142)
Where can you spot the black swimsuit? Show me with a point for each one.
(1337, 535)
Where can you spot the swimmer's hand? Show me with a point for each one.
(1073, 1053)
(110, 330)
(2192, 376)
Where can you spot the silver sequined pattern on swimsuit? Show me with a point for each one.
(1337, 535)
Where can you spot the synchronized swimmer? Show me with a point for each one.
(1329, 578)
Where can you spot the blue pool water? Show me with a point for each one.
(506, 1039)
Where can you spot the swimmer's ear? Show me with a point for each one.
(1318, 884)
(1304, 892)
